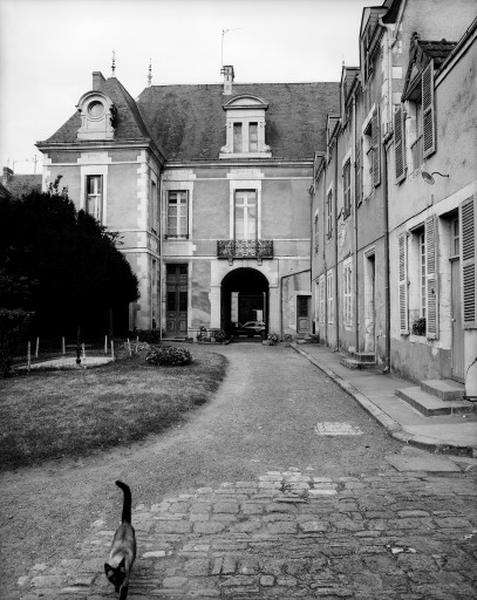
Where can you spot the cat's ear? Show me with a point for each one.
(108, 569)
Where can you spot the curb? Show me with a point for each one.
(393, 427)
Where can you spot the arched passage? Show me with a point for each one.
(244, 297)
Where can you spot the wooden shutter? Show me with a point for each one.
(403, 286)
(358, 176)
(376, 139)
(428, 113)
(468, 251)
(432, 304)
(399, 144)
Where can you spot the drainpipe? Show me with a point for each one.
(355, 212)
(387, 291)
(324, 253)
(281, 294)
(161, 253)
(335, 210)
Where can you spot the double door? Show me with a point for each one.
(177, 299)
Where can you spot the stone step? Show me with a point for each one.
(445, 389)
(353, 363)
(430, 405)
(365, 357)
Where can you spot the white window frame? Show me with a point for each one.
(348, 292)
(322, 299)
(181, 207)
(330, 296)
(238, 184)
(92, 170)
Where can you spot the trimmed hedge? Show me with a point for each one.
(169, 356)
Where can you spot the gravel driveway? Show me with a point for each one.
(264, 417)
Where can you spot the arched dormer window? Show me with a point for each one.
(245, 128)
(98, 116)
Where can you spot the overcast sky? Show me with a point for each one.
(49, 48)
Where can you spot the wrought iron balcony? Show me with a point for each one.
(238, 249)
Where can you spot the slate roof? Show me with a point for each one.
(21, 185)
(130, 125)
(187, 122)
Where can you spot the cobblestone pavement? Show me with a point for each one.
(291, 534)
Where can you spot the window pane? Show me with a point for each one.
(171, 301)
(183, 301)
(253, 137)
(237, 137)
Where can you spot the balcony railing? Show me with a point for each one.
(239, 249)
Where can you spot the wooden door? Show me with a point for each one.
(176, 299)
(456, 318)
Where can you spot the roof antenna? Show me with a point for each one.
(149, 73)
(113, 65)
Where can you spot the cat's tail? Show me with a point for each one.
(126, 516)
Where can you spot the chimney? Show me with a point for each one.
(98, 80)
(228, 73)
(7, 175)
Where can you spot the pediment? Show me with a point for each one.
(245, 101)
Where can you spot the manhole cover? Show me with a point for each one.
(331, 428)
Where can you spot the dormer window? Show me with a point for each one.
(98, 116)
(245, 128)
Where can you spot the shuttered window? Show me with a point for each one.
(428, 113)
(468, 233)
(399, 145)
(330, 296)
(432, 307)
(403, 286)
(359, 178)
(347, 189)
(376, 158)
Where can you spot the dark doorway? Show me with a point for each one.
(244, 299)
(176, 309)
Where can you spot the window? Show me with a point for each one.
(322, 306)
(153, 207)
(347, 294)
(329, 214)
(455, 237)
(347, 189)
(399, 144)
(238, 146)
(330, 297)
(178, 214)
(316, 232)
(422, 273)
(94, 196)
(245, 127)
(371, 155)
(422, 116)
(253, 137)
(245, 215)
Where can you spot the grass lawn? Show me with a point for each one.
(49, 414)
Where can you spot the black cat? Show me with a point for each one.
(123, 548)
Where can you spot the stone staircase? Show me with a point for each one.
(435, 397)
(359, 360)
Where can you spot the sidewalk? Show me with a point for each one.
(375, 392)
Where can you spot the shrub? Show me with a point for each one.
(169, 356)
(273, 338)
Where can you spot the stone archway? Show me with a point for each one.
(244, 297)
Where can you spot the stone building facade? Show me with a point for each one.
(208, 186)
(394, 214)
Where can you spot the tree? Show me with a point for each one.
(73, 272)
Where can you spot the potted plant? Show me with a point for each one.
(419, 326)
(271, 339)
